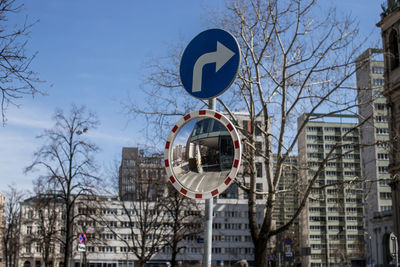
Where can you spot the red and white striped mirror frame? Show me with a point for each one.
(236, 161)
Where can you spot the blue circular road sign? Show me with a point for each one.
(82, 238)
(210, 63)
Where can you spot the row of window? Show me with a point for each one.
(232, 238)
(232, 226)
(331, 129)
(378, 82)
(378, 70)
(337, 237)
(333, 138)
(336, 209)
(351, 165)
(382, 131)
(334, 218)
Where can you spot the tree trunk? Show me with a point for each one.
(260, 254)
(67, 236)
(174, 254)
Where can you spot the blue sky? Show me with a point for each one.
(93, 52)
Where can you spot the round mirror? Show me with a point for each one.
(202, 154)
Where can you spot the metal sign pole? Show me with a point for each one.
(209, 214)
(396, 250)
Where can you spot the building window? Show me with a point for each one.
(378, 82)
(381, 119)
(383, 169)
(29, 230)
(385, 195)
(259, 169)
(30, 214)
(386, 208)
(380, 106)
(378, 70)
(383, 156)
(393, 50)
(382, 131)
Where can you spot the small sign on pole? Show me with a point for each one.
(82, 239)
(81, 247)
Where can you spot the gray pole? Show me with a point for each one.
(396, 250)
(208, 215)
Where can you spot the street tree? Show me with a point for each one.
(184, 219)
(155, 216)
(146, 220)
(48, 208)
(66, 160)
(11, 225)
(17, 78)
(297, 59)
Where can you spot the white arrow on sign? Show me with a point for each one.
(220, 57)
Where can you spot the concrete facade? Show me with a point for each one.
(374, 134)
(390, 30)
(231, 237)
(288, 242)
(332, 221)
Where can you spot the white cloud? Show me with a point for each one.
(16, 150)
(29, 117)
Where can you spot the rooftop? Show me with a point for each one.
(389, 7)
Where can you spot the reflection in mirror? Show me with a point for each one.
(202, 154)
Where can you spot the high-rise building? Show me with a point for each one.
(390, 30)
(288, 243)
(374, 135)
(331, 223)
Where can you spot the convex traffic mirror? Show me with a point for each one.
(202, 154)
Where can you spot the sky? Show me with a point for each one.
(94, 53)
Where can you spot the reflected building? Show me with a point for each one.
(210, 146)
(208, 155)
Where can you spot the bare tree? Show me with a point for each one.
(16, 76)
(146, 221)
(11, 224)
(184, 219)
(48, 207)
(295, 62)
(66, 158)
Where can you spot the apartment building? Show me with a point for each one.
(374, 135)
(332, 221)
(38, 229)
(288, 242)
(108, 228)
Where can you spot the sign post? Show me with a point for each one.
(209, 214)
(208, 67)
(82, 246)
